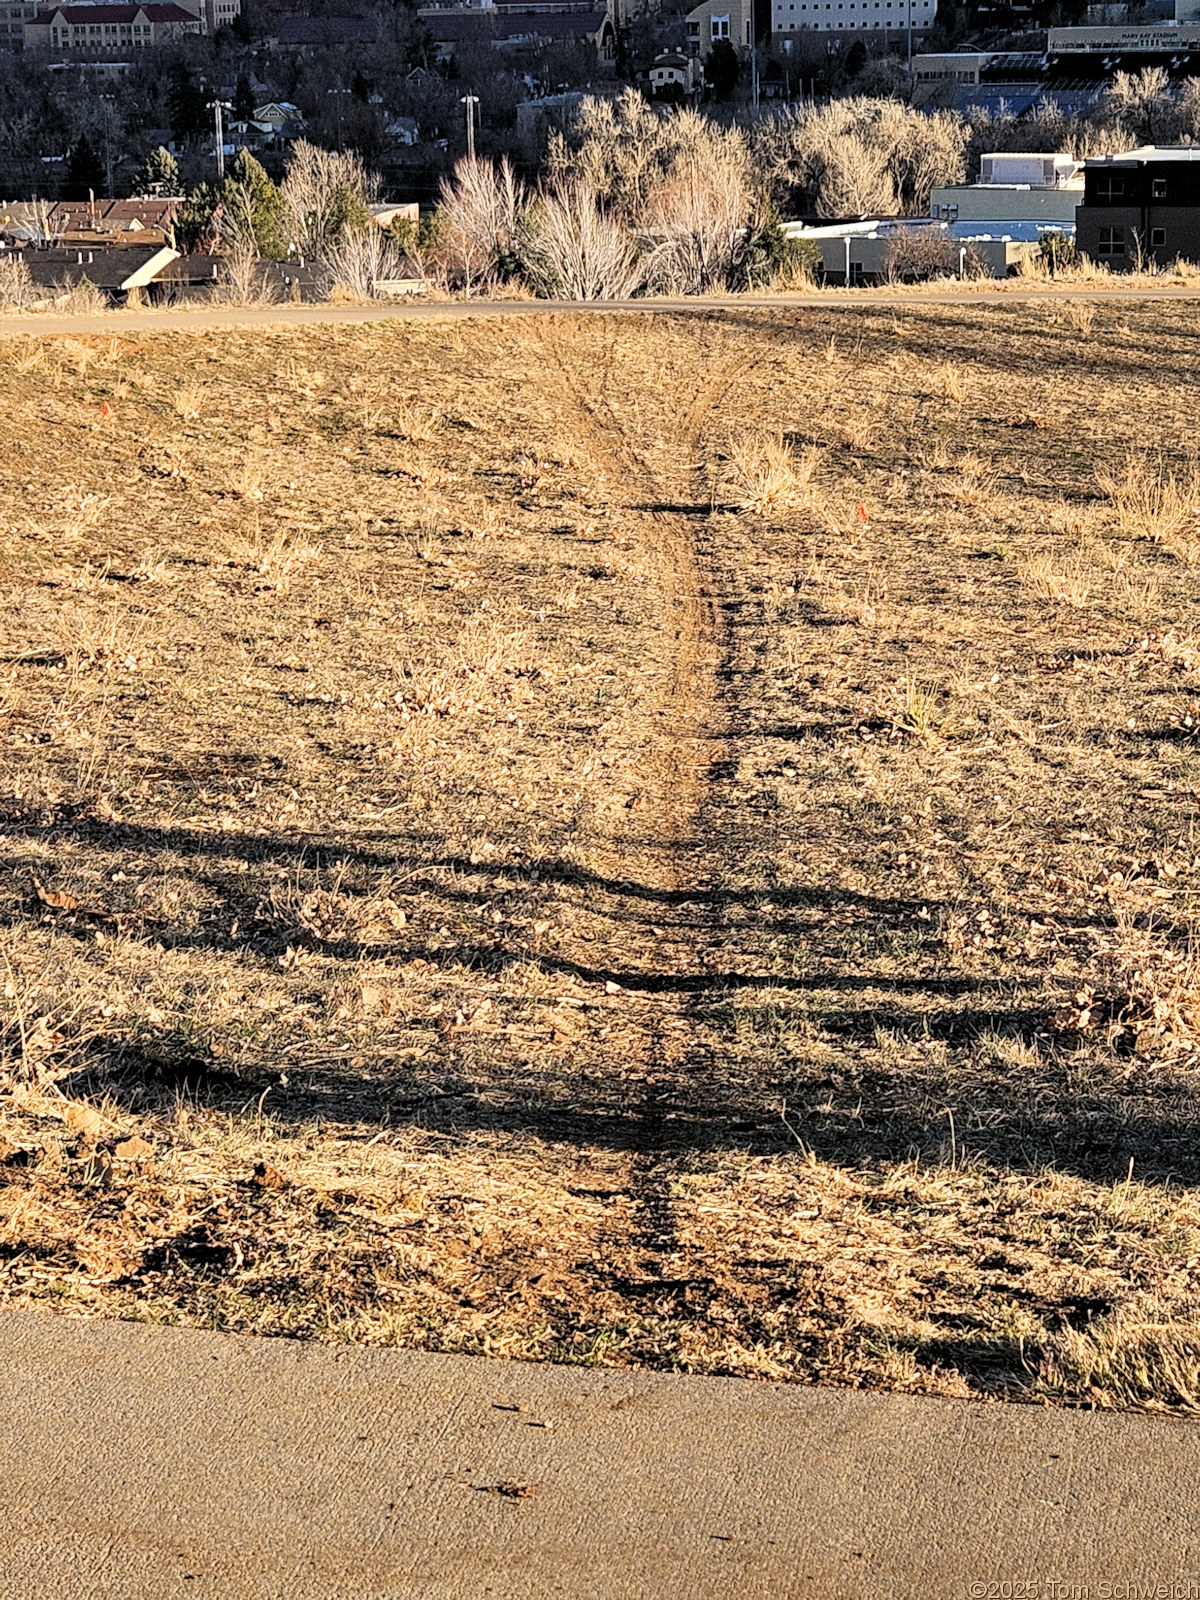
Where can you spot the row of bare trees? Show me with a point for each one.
(638, 199)
(641, 199)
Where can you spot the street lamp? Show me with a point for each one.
(217, 107)
(339, 95)
(470, 101)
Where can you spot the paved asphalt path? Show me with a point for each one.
(177, 319)
(144, 1462)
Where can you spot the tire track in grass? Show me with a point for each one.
(683, 717)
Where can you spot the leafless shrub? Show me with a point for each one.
(915, 255)
(684, 182)
(244, 280)
(16, 285)
(481, 212)
(359, 261)
(571, 249)
(697, 219)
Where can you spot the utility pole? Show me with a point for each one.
(910, 35)
(470, 101)
(218, 107)
(339, 95)
(108, 160)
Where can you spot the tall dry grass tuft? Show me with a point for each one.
(81, 299)
(1064, 580)
(1139, 1355)
(275, 556)
(763, 475)
(1149, 502)
(17, 289)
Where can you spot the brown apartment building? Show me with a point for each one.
(1139, 207)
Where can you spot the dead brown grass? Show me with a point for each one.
(489, 866)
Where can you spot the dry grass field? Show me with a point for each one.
(613, 840)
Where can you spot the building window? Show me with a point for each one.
(1110, 187)
(720, 27)
(1112, 242)
(1158, 188)
(1158, 238)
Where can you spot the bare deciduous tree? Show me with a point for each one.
(325, 190)
(860, 156)
(481, 210)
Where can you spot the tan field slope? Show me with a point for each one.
(642, 842)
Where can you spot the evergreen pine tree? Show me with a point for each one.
(84, 170)
(243, 99)
(186, 105)
(158, 174)
(250, 197)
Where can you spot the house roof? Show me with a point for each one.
(128, 268)
(151, 213)
(510, 23)
(77, 16)
(324, 30)
(1146, 152)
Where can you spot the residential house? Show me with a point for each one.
(278, 115)
(673, 76)
(116, 271)
(403, 130)
(1141, 206)
(113, 224)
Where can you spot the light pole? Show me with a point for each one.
(470, 101)
(217, 107)
(339, 95)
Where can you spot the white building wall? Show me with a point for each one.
(844, 16)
